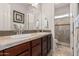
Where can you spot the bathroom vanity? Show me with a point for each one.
(38, 44)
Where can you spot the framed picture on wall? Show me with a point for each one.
(18, 17)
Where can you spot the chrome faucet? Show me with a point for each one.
(19, 28)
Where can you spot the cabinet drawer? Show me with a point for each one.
(36, 42)
(17, 49)
(1, 53)
(36, 51)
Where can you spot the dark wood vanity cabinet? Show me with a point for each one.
(1, 53)
(36, 47)
(44, 46)
(49, 44)
(22, 49)
(26, 53)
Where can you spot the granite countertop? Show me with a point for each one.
(8, 41)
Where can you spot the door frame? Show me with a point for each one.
(73, 34)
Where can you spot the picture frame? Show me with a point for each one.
(18, 17)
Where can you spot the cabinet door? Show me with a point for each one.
(1, 53)
(49, 43)
(36, 51)
(28, 52)
(36, 47)
(36, 42)
(13, 51)
(25, 53)
(44, 46)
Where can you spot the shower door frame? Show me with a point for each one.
(73, 31)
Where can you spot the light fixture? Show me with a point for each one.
(62, 16)
(35, 4)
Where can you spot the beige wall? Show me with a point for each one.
(20, 8)
(4, 17)
(43, 11)
(47, 12)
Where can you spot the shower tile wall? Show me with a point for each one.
(62, 25)
(62, 29)
(63, 33)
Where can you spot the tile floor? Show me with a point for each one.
(62, 51)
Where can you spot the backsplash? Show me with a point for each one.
(7, 33)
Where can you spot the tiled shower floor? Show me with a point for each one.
(62, 51)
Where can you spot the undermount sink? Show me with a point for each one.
(20, 36)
